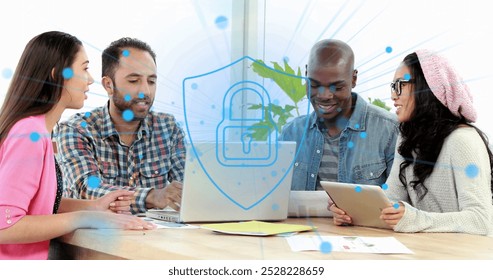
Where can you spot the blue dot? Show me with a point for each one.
(125, 53)
(275, 206)
(127, 97)
(396, 205)
(194, 86)
(325, 247)
(7, 73)
(356, 126)
(213, 106)
(67, 73)
(83, 124)
(141, 156)
(472, 170)
(239, 183)
(350, 144)
(264, 178)
(87, 114)
(339, 109)
(385, 187)
(34, 136)
(362, 135)
(388, 49)
(285, 59)
(358, 189)
(202, 122)
(407, 76)
(93, 182)
(221, 22)
(141, 95)
(332, 88)
(128, 115)
(273, 173)
(275, 101)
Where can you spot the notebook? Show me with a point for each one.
(363, 203)
(224, 188)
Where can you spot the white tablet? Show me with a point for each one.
(363, 203)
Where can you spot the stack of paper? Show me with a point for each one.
(256, 228)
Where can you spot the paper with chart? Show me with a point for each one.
(354, 244)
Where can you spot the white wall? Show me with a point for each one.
(188, 42)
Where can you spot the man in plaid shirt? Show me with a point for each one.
(123, 144)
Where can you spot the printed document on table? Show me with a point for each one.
(354, 244)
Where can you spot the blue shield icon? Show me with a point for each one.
(240, 112)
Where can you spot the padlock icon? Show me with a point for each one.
(235, 145)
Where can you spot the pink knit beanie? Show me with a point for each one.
(447, 85)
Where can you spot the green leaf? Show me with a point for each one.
(379, 103)
(292, 86)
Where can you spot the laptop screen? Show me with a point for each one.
(221, 185)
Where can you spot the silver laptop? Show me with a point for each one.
(219, 186)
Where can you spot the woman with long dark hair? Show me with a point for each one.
(441, 177)
(52, 75)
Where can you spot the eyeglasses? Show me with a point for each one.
(396, 86)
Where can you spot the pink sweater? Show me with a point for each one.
(28, 182)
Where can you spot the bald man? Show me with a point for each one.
(347, 140)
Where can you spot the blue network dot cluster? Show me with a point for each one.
(127, 97)
(7, 73)
(221, 22)
(325, 247)
(93, 182)
(407, 76)
(67, 73)
(472, 171)
(125, 53)
(34, 136)
(128, 115)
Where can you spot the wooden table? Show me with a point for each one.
(202, 244)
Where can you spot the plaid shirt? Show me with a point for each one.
(94, 160)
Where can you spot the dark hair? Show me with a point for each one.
(430, 123)
(37, 83)
(111, 55)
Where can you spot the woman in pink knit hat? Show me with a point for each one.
(441, 178)
(51, 76)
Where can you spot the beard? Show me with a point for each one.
(139, 106)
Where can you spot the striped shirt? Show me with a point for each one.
(329, 166)
(95, 161)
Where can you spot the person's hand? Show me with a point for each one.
(116, 201)
(108, 220)
(340, 217)
(392, 215)
(167, 196)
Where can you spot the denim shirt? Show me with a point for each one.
(366, 146)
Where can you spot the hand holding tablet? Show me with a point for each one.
(363, 203)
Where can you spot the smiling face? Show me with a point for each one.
(77, 81)
(332, 77)
(405, 101)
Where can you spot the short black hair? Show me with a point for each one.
(111, 55)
